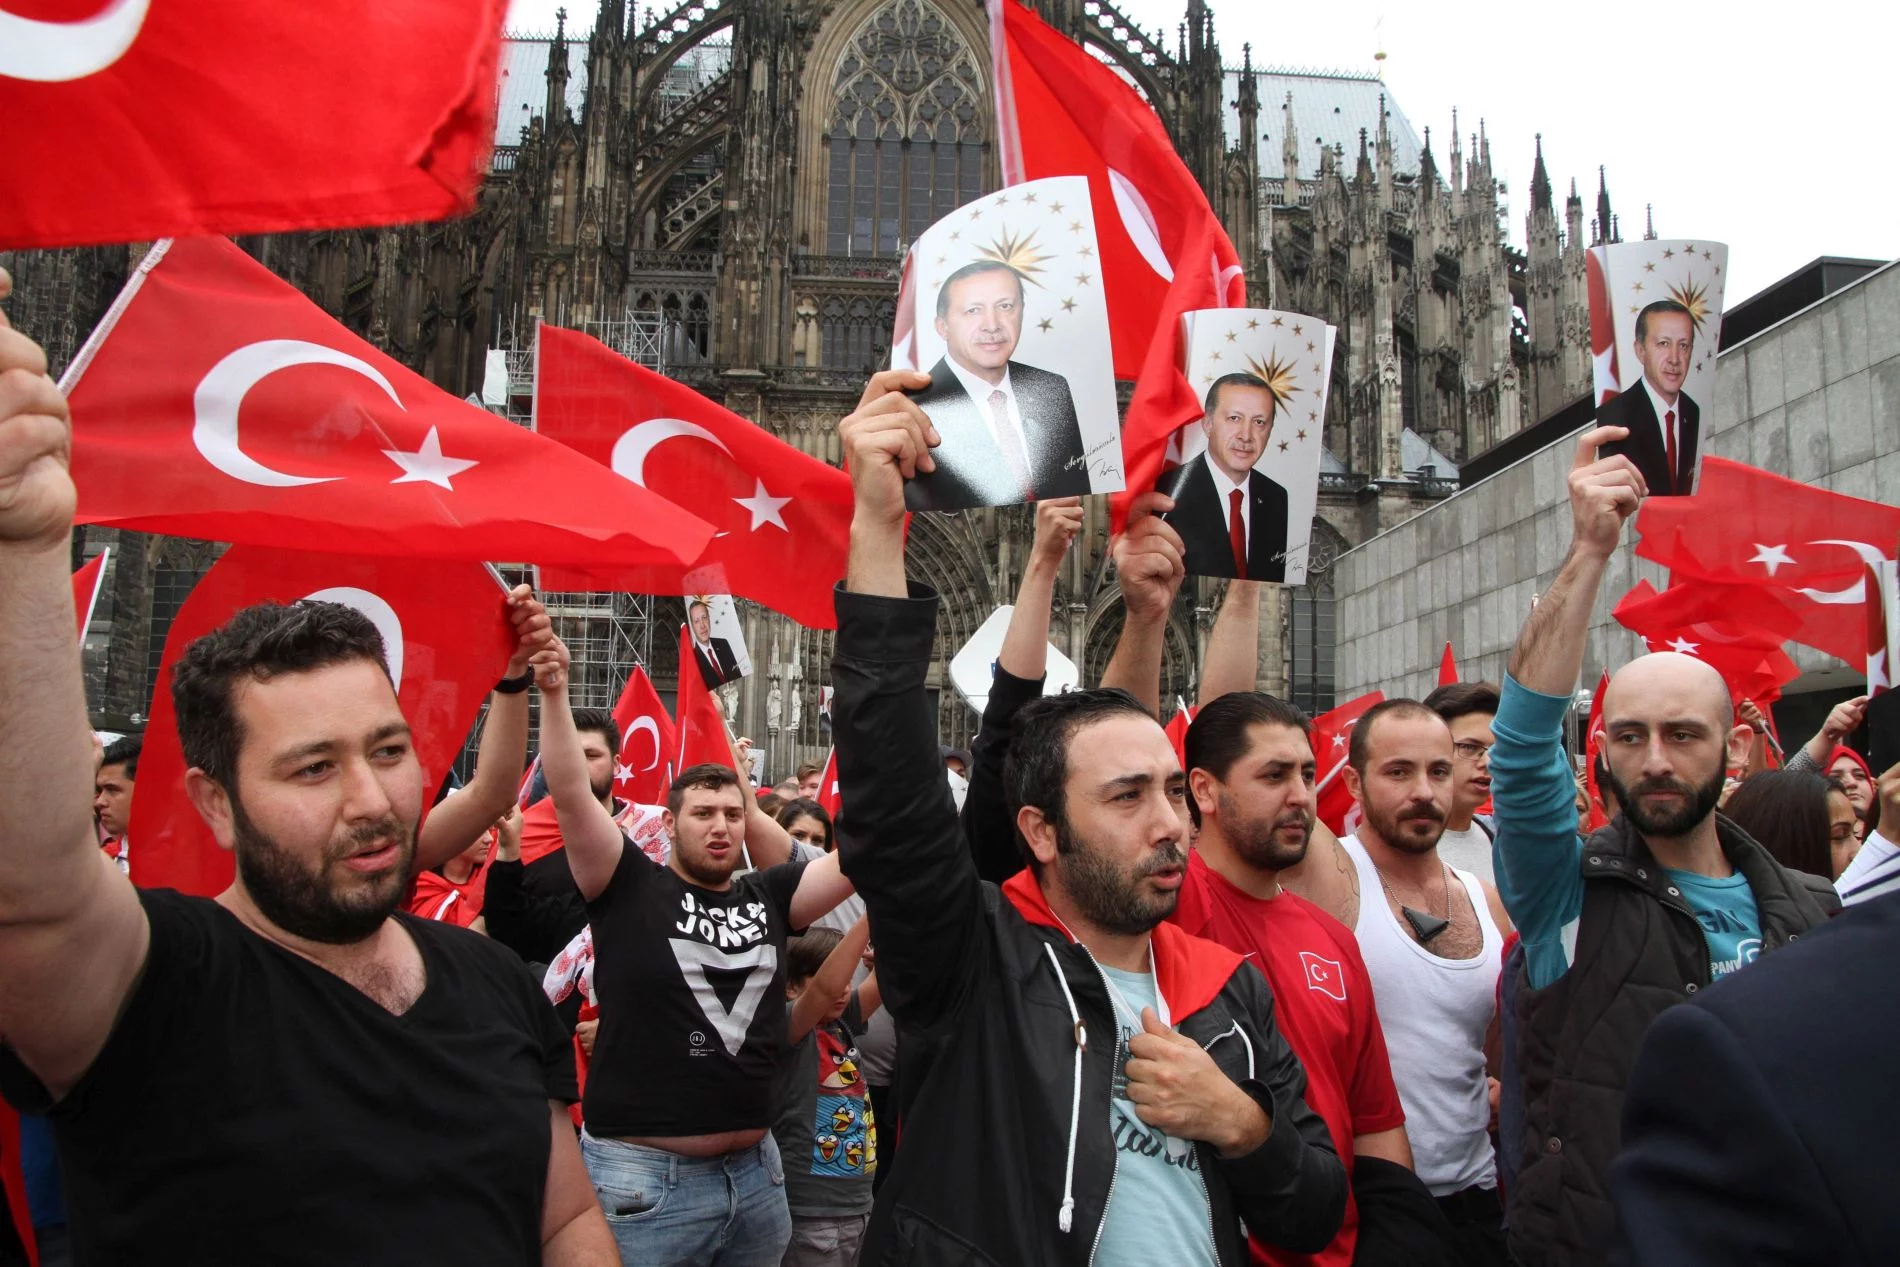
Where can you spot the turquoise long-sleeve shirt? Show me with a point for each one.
(1537, 852)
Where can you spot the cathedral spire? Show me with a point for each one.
(1540, 181)
(1649, 222)
(1427, 165)
(1606, 223)
(612, 20)
(1249, 99)
(556, 112)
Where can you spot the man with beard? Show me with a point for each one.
(1085, 1083)
(689, 971)
(1432, 937)
(1647, 911)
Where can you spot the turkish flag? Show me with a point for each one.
(1061, 112)
(828, 794)
(1597, 817)
(1791, 557)
(1881, 627)
(1177, 729)
(1749, 659)
(643, 771)
(342, 448)
(1448, 668)
(151, 118)
(702, 727)
(447, 639)
(87, 582)
(785, 516)
(1332, 739)
(1605, 372)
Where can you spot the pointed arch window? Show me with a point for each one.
(906, 137)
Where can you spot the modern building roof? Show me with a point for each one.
(1329, 108)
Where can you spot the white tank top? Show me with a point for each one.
(1435, 1013)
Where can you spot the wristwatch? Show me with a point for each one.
(515, 685)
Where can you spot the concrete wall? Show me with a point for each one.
(1815, 397)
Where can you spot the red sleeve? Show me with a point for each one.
(1373, 1096)
(426, 898)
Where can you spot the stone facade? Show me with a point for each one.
(724, 190)
(1815, 397)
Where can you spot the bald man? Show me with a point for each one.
(1640, 916)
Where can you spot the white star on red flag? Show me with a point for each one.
(1683, 646)
(426, 464)
(1771, 557)
(763, 507)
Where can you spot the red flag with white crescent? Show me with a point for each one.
(1332, 740)
(783, 517)
(649, 742)
(1061, 112)
(1881, 625)
(87, 582)
(446, 637)
(151, 118)
(341, 447)
(1605, 372)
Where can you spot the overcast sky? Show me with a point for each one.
(1766, 128)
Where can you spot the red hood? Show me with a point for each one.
(1189, 970)
(1851, 755)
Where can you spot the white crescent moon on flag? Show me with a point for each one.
(631, 449)
(221, 393)
(653, 728)
(1139, 221)
(1857, 592)
(380, 614)
(55, 52)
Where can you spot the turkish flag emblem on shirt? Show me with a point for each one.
(150, 117)
(340, 447)
(785, 516)
(649, 741)
(1775, 555)
(446, 637)
(1061, 112)
(1332, 740)
(1324, 976)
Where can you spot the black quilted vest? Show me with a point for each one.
(1638, 950)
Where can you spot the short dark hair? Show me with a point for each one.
(1239, 380)
(808, 768)
(791, 811)
(598, 721)
(1786, 812)
(806, 953)
(972, 269)
(700, 603)
(1220, 733)
(1660, 306)
(1036, 769)
(258, 643)
(1358, 752)
(124, 751)
(772, 803)
(708, 776)
(1462, 699)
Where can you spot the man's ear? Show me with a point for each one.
(943, 329)
(1353, 783)
(1039, 832)
(213, 804)
(1741, 737)
(1202, 787)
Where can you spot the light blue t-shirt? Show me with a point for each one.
(1726, 910)
(1537, 852)
(1158, 1211)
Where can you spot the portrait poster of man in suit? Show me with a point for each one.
(1006, 315)
(1247, 484)
(1655, 321)
(718, 641)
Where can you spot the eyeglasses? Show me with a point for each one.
(1471, 749)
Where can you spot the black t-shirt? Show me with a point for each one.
(691, 986)
(251, 1107)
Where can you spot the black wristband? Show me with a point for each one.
(515, 685)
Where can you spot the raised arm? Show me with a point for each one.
(73, 935)
(1842, 720)
(1021, 666)
(897, 835)
(1232, 662)
(459, 821)
(1149, 570)
(831, 980)
(766, 842)
(592, 838)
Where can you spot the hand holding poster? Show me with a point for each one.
(1655, 320)
(1006, 315)
(1248, 482)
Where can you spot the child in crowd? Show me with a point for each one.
(827, 1139)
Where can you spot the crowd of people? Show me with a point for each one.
(1070, 996)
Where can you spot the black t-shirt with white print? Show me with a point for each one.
(691, 986)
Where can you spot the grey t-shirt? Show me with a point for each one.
(1469, 850)
(826, 1137)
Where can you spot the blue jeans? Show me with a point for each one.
(666, 1210)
